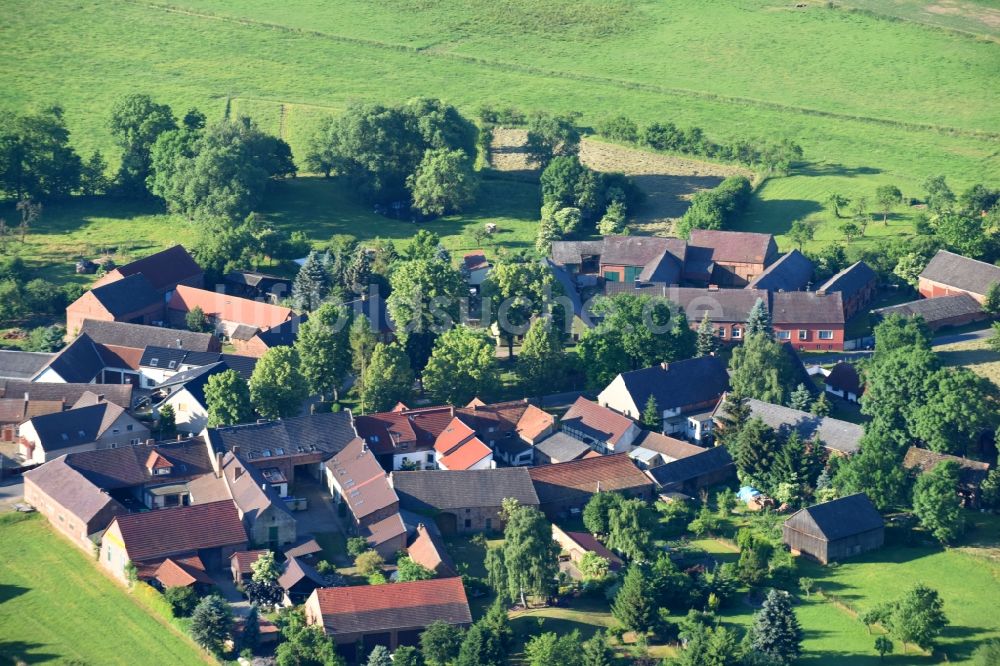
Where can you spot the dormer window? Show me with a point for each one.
(172, 364)
(266, 453)
(279, 452)
(153, 362)
(161, 471)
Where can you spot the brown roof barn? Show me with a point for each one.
(562, 487)
(834, 530)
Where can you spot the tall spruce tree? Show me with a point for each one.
(759, 320)
(776, 631)
(634, 605)
(800, 398)
(651, 417)
(312, 283)
(707, 342)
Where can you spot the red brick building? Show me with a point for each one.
(809, 320)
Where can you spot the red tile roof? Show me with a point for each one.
(182, 572)
(363, 482)
(372, 609)
(163, 269)
(229, 308)
(475, 260)
(601, 423)
(533, 423)
(466, 455)
(453, 436)
(734, 246)
(244, 558)
(588, 475)
(167, 532)
(428, 550)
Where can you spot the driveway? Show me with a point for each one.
(11, 492)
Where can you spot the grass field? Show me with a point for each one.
(56, 607)
(871, 99)
(974, 355)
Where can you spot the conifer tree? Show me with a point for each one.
(633, 606)
(800, 398)
(776, 631)
(312, 283)
(759, 320)
(651, 418)
(707, 343)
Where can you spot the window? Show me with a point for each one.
(826, 335)
(160, 471)
(784, 335)
(468, 523)
(430, 457)
(172, 365)
(153, 362)
(737, 332)
(134, 442)
(182, 407)
(803, 334)
(373, 439)
(128, 427)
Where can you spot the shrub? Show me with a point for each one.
(182, 600)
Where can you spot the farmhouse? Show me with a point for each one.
(729, 258)
(265, 517)
(561, 447)
(463, 502)
(950, 274)
(103, 425)
(73, 505)
(15, 411)
(599, 427)
(66, 393)
(792, 272)
(685, 393)
(565, 488)
(429, 551)
(131, 299)
(835, 530)
(857, 285)
(654, 449)
(940, 311)
(84, 361)
(164, 271)
(226, 313)
(457, 447)
(16, 364)
(292, 446)
(390, 615)
(157, 365)
(209, 532)
(355, 479)
(971, 473)
(475, 268)
(808, 320)
(690, 474)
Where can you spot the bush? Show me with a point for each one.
(182, 600)
(45, 339)
(716, 208)
(356, 545)
(619, 128)
(368, 563)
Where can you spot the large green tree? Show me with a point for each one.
(425, 296)
(759, 368)
(440, 643)
(462, 366)
(516, 292)
(324, 349)
(541, 363)
(531, 555)
(227, 398)
(961, 406)
(551, 648)
(388, 378)
(634, 605)
(776, 631)
(936, 503)
(277, 388)
(36, 158)
(211, 623)
(444, 182)
(630, 528)
(136, 122)
(917, 617)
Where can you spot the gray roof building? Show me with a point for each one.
(792, 272)
(937, 311)
(21, 364)
(327, 432)
(849, 281)
(841, 436)
(562, 447)
(69, 393)
(139, 336)
(954, 270)
(127, 295)
(449, 490)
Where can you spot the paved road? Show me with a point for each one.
(11, 491)
(962, 337)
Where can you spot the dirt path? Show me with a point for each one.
(668, 181)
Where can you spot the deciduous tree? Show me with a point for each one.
(136, 122)
(760, 369)
(388, 378)
(227, 398)
(530, 554)
(324, 349)
(440, 643)
(541, 361)
(444, 182)
(887, 197)
(277, 389)
(461, 367)
(936, 503)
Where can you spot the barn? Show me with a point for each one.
(834, 530)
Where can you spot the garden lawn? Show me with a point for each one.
(974, 355)
(55, 605)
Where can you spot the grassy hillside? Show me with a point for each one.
(871, 99)
(55, 606)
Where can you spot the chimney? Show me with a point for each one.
(665, 365)
(218, 464)
(100, 397)
(179, 437)
(237, 473)
(236, 450)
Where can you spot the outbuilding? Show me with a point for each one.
(834, 530)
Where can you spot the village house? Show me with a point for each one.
(290, 448)
(185, 394)
(971, 473)
(457, 447)
(226, 313)
(685, 393)
(463, 502)
(561, 447)
(602, 429)
(266, 519)
(298, 580)
(429, 551)
(950, 274)
(835, 530)
(164, 271)
(808, 320)
(356, 480)
(857, 285)
(653, 449)
(838, 437)
(15, 411)
(131, 299)
(792, 272)
(577, 544)
(940, 312)
(404, 439)
(84, 361)
(475, 268)
(690, 474)
(158, 365)
(563, 489)
(136, 337)
(74, 506)
(844, 382)
(102, 425)
(21, 365)
(360, 617)
(202, 534)
(729, 258)
(67, 393)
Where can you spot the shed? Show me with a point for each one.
(834, 530)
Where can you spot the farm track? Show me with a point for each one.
(433, 52)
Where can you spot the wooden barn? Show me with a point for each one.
(834, 530)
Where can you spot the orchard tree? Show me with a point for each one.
(838, 201)
(887, 197)
(936, 503)
(462, 366)
(277, 388)
(388, 379)
(801, 233)
(517, 291)
(531, 555)
(324, 349)
(444, 182)
(227, 398)
(917, 617)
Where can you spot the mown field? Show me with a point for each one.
(56, 607)
(871, 99)
(974, 355)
